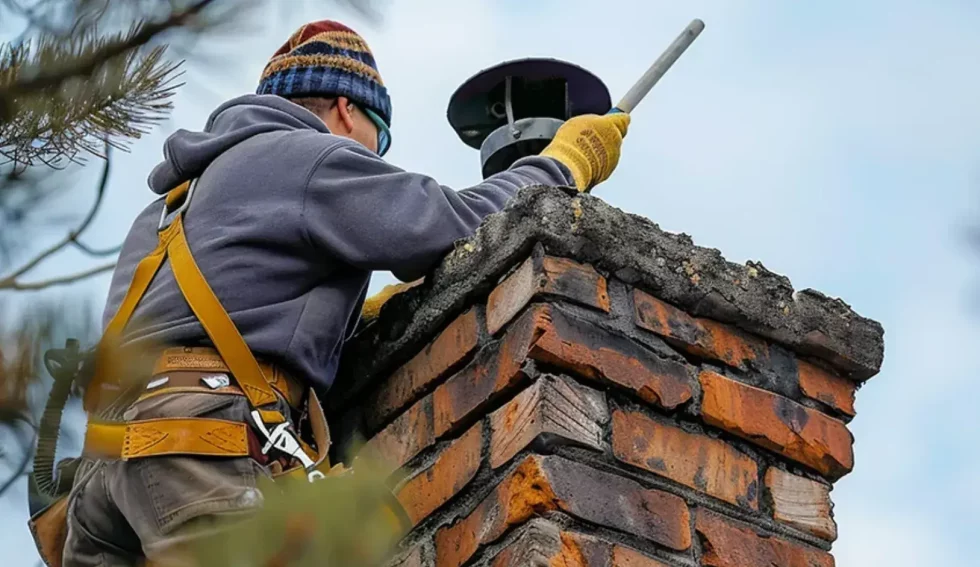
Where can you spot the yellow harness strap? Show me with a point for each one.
(184, 435)
(168, 436)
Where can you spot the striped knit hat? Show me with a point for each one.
(327, 59)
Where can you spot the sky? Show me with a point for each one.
(836, 142)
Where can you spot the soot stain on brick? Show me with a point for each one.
(683, 329)
(700, 481)
(791, 413)
(656, 463)
(750, 496)
(597, 339)
(780, 374)
(573, 283)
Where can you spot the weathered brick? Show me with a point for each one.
(495, 368)
(438, 358)
(802, 503)
(825, 387)
(555, 407)
(405, 437)
(540, 543)
(779, 424)
(556, 276)
(543, 543)
(593, 352)
(453, 469)
(626, 557)
(725, 544)
(697, 461)
(542, 484)
(413, 559)
(700, 337)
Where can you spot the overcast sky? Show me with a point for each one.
(837, 144)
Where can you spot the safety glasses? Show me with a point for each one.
(384, 135)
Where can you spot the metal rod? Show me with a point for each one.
(509, 108)
(639, 90)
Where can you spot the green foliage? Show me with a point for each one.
(341, 520)
(119, 100)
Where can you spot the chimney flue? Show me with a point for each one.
(512, 110)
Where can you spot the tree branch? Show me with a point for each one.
(96, 252)
(10, 282)
(63, 280)
(28, 82)
(21, 468)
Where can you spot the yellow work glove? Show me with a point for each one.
(589, 146)
(372, 305)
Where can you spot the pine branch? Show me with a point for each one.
(120, 100)
(35, 78)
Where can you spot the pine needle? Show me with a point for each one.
(123, 97)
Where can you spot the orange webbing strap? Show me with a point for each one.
(167, 436)
(219, 326)
(142, 277)
(202, 301)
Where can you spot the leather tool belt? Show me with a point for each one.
(200, 369)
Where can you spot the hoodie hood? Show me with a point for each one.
(186, 154)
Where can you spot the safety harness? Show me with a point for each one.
(194, 436)
(109, 439)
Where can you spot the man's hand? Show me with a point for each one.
(372, 305)
(589, 146)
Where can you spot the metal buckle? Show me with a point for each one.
(164, 220)
(282, 438)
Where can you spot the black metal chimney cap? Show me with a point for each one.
(476, 109)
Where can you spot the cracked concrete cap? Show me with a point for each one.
(634, 250)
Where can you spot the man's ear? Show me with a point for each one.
(344, 112)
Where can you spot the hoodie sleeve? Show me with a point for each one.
(377, 217)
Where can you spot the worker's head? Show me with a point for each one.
(329, 70)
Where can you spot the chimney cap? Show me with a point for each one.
(543, 88)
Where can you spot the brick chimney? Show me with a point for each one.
(575, 387)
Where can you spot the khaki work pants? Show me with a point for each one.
(122, 513)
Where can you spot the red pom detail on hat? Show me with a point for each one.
(307, 31)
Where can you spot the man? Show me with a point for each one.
(292, 210)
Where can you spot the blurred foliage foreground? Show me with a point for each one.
(341, 520)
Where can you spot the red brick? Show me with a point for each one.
(697, 461)
(821, 385)
(438, 358)
(452, 471)
(555, 276)
(543, 543)
(626, 557)
(593, 352)
(701, 337)
(494, 369)
(802, 503)
(405, 437)
(552, 406)
(542, 484)
(725, 544)
(779, 424)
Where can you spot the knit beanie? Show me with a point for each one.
(327, 59)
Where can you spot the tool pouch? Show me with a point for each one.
(50, 530)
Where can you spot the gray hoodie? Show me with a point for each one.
(287, 223)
